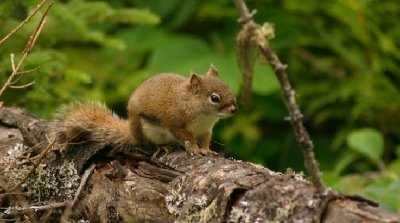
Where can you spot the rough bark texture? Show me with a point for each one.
(177, 187)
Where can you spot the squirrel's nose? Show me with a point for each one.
(233, 109)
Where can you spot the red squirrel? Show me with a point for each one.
(165, 110)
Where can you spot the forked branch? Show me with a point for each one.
(16, 74)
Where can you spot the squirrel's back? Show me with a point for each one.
(161, 94)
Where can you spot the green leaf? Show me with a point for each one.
(78, 75)
(140, 16)
(368, 142)
(173, 12)
(181, 49)
(386, 191)
(395, 167)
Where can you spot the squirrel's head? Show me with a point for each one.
(216, 97)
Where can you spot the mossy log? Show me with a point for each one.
(129, 185)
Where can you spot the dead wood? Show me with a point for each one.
(177, 187)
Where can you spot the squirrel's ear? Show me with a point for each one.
(195, 82)
(212, 71)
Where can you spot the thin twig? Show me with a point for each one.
(22, 86)
(15, 211)
(48, 206)
(71, 205)
(38, 7)
(12, 58)
(295, 117)
(259, 35)
(33, 149)
(245, 14)
(20, 74)
(27, 50)
(33, 38)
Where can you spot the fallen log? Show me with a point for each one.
(129, 185)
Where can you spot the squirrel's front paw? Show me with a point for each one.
(194, 148)
(208, 152)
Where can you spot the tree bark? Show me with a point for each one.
(134, 187)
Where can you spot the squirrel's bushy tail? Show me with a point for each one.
(90, 121)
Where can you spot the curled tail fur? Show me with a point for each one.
(91, 121)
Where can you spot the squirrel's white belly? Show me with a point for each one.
(161, 135)
(158, 135)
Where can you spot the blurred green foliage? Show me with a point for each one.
(343, 56)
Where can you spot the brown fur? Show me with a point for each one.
(166, 109)
(94, 118)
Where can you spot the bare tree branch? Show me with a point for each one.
(38, 7)
(258, 35)
(28, 48)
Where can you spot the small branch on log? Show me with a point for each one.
(84, 179)
(258, 35)
(20, 210)
(48, 206)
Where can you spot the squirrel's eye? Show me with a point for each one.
(214, 98)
